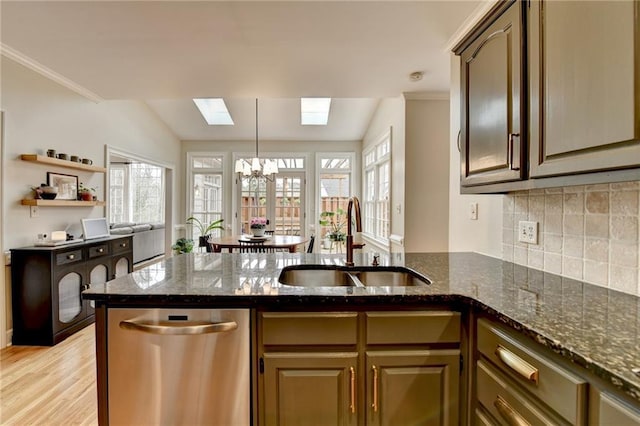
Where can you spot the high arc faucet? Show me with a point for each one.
(352, 207)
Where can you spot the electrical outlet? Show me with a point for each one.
(7, 258)
(528, 232)
(34, 211)
(473, 211)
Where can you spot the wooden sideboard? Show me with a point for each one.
(47, 282)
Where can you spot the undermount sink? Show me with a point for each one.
(390, 278)
(315, 277)
(335, 276)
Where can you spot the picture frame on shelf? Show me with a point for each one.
(67, 185)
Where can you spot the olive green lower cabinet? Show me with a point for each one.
(356, 368)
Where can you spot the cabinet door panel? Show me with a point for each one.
(310, 388)
(412, 387)
(69, 288)
(491, 82)
(584, 101)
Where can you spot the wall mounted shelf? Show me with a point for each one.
(62, 203)
(43, 159)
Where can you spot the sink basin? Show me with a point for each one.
(323, 276)
(390, 278)
(315, 277)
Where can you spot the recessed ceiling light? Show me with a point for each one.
(416, 76)
(214, 111)
(314, 111)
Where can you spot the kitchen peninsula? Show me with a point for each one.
(585, 336)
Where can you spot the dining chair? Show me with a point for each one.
(255, 247)
(310, 246)
(269, 232)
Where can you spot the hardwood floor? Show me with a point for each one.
(50, 385)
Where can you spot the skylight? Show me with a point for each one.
(314, 111)
(214, 111)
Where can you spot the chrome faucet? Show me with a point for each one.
(353, 203)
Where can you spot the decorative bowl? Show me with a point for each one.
(49, 195)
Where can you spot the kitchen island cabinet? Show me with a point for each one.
(589, 331)
(404, 369)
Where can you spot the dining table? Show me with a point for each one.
(283, 242)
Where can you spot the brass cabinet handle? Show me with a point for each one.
(352, 389)
(175, 328)
(517, 364)
(374, 405)
(511, 416)
(510, 150)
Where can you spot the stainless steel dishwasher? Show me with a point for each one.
(178, 366)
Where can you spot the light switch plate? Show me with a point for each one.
(473, 211)
(528, 232)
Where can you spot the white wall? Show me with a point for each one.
(485, 234)
(426, 210)
(391, 113)
(40, 114)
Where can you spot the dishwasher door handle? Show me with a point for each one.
(178, 328)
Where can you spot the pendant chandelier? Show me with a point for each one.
(256, 169)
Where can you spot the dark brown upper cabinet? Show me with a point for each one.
(584, 86)
(493, 132)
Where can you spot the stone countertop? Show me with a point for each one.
(592, 326)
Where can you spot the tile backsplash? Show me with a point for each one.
(590, 233)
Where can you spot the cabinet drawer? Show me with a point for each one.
(305, 328)
(68, 257)
(507, 403)
(121, 245)
(562, 390)
(385, 328)
(97, 251)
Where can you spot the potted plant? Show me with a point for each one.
(183, 245)
(204, 229)
(258, 225)
(86, 193)
(335, 221)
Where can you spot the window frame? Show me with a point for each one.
(379, 156)
(191, 171)
(319, 171)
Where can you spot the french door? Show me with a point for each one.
(281, 202)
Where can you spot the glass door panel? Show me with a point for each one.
(253, 202)
(288, 205)
(69, 302)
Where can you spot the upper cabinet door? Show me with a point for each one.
(584, 86)
(492, 135)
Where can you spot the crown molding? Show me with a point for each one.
(478, 13)
(426, 96)
(24, 60)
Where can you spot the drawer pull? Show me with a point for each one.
(100, 250)
(352, 389)
(512, 417)
(517, 364)
(71, 256)
(123, 245)
(375, 389)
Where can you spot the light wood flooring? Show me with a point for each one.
(50, 385)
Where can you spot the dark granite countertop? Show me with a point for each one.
(597, 328)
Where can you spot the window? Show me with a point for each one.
(377, 189)
(136, 192)
(334, 190)
(280, 201)
(206, 189)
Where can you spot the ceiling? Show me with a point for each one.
(167, 52)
